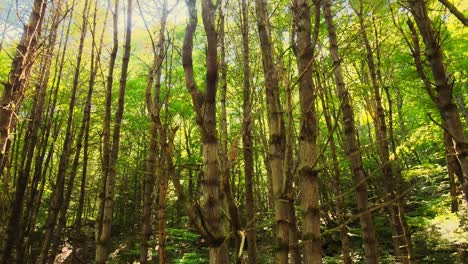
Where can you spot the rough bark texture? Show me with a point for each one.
(205, 109)
(277, 136)
(14, 89)
(109, 170)
(442, 96)
(247, 138)
(337, 186)
(352, 148)
(308, 135)
(381, 136)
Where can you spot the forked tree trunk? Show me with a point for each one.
(352, 148)
(205, 109)
(277, 136)
(442, 96)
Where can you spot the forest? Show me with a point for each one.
(234, 131)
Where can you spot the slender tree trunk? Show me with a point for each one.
(453, 169)
(277, 137)
(153, 106)
(109, 170)
(453, 9)
(442, 97)
(62, 221)
(352, 148)
(32, 135)
(339, 196)
(58, 193)
(247, 141)
(13, 90)
(308, 135)
(227, 158)
(95, 62)
(400, 247)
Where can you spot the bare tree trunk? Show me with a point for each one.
(58, 193)
(13, 92)
(400, 247)
(308, 135)
(247, 138)
(339, 196)
(227, 158)
(95, 62)
(109, 170)
(443, 85)
(352, 148)
(277, 136)
(153, 106)
(17, 224)
(205, 109)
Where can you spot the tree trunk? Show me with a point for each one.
(227, 157)
(58, 193)
(14, 88)
(205, 109)
(95, 61)
(400, 247)
(443, 86)
(247, 141)
(352, 148)
(277, 136)
(308, 135)
(112, 151)
(453, 9)
(339, 196)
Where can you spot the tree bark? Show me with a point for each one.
(453, 9)
(205, 109)
(352, 148)
(109, 170)
(339, 196)
(308, 135)
(247, 141)
(14, 88)
(277, 136)
(442, 97)
(58, 193)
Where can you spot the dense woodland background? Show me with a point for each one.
(235, 131)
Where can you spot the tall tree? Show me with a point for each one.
(204, 103)
(277, 136)
(308, 135)
(15, 229)
(442, 96)
(247, 140)
(352, 148)
(14, 88)
(111, 151)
